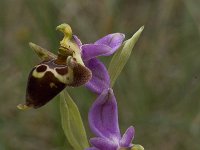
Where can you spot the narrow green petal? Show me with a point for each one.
(72, 123)
(41, 52)
(137, 147)
(121, 56)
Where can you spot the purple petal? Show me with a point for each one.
(100, 78)
(127, 137)
(104, 144)
(77, 40)
(103, 116)
(90, 51)
(114, 41)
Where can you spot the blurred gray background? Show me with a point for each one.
(158, 91)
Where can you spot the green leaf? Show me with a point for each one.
(121, 56)
(72, 123)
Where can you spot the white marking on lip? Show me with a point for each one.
(66, 79)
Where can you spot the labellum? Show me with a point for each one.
(53, 74)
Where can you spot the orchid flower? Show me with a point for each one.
(103, 115)
(86, 55)
(103, 47)
(103, 121)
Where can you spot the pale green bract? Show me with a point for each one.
(121, 56)
(72, 123)
(137, 147)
